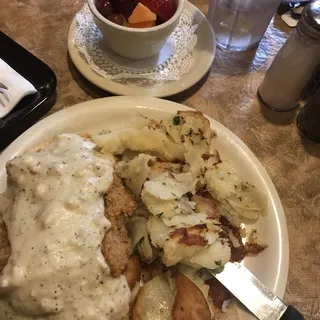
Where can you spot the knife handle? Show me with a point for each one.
(292, 314)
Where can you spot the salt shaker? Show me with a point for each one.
(294, 64)
(308, 120)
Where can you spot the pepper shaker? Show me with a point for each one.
(294, 64)
(312, 85)
(308, 120)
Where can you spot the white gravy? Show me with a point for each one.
(55, 220)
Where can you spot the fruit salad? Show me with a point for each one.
(137, 13)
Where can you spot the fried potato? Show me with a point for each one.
(146, 139)
(154, 300)
(190, 128)
(189, 302)
(150, 271)
(212, 257)
(158, 232)
(133, 271)
(183, 243)
(138, 232)
(135, 172)
(207, 205)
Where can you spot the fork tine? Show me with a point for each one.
(4, 94)
(2, 103)
(3, 86)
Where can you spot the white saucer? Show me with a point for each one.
(203, 55)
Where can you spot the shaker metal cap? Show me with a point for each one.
(309, 23)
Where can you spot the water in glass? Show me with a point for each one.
(240, 24)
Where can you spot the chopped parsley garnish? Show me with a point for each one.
(176, 120)
(103, 131)
(190, 131)
(218, 263)
(135, 247)
(160, 215)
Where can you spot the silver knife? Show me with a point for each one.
(253, 294)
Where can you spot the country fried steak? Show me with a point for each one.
(116, 245)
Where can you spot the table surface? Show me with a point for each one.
(228, 94)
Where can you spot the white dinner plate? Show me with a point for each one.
(270, 266)
(203, 55)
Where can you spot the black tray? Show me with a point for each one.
(31, 108)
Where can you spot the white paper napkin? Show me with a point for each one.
(18, 87)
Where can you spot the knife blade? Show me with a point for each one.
(253, 294)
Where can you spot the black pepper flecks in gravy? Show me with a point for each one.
(56, 223)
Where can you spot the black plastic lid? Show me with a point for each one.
(309, 24)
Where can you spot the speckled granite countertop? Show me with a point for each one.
(228, 94)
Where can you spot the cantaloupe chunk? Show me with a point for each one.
(142, 14)
(147, 24)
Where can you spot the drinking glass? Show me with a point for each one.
(240, 24)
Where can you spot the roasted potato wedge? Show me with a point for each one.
(154, 300)
(189, 302)
(133, 271)
(138, 232)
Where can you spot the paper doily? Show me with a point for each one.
(174, 60)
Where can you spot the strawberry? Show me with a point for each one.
(165, 9)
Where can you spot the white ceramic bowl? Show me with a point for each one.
(135, 43)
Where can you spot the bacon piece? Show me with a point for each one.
(191, 236)
(217, 292)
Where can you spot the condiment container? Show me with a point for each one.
(308, 120)
(295, 63)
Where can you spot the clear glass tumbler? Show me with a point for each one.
(240, 24)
